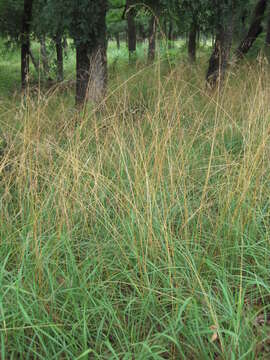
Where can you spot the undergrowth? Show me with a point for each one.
(139, 228)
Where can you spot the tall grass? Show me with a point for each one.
(138, 229)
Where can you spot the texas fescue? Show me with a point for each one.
(138, 229)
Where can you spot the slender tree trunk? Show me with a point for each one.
(219, 59)
(65, 46)
(25, 42)
(34, 61)
(91, 64)
(192, 41)
(59, 58)
(152, 39)
(186, 38)
(117, 38)
(131, 28)
(44, 56)
(198, 37)
(254, 30)
(141, 33)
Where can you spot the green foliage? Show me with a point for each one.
(11, 18)
(50, 18)
(84, 19)
(116, 24)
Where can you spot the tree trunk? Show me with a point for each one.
(254, 30)
(192, 41)
(91, 73)
(131, 28)
(219, 59)
(198, 37)
(141, 33)
(59, 58)
(25, 42)
(98, 73)
(44, 56)
(34, 61)
(152, 39)
(91, 65)
(82, 73)
(117, 38)
(65, 46)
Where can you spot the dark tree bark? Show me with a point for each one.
(152, 39)
(59, 58)
(130, 12)
(91, 63)
(117, 39)
(192, 43)
(254, 30)
(219, 59)
(82, 72)
(25, 42)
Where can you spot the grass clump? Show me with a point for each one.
(139, 230)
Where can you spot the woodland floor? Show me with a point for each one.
(138, 228)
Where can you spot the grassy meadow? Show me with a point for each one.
(138, 228)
